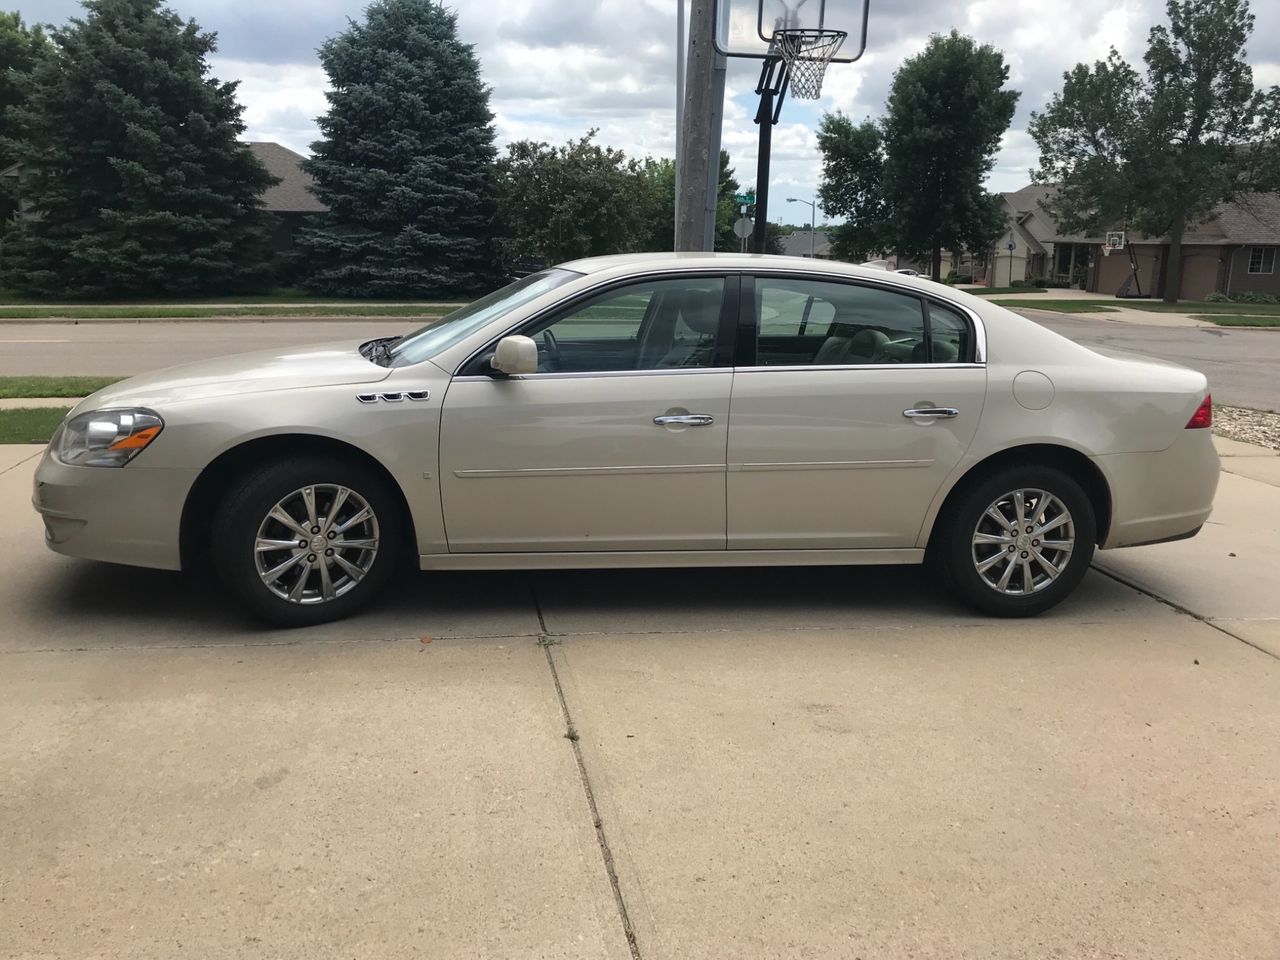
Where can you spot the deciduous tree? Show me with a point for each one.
(133, 166)
(406, 160)
(1157, 153)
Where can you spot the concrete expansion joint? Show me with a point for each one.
(1207, 621)
(546, 642)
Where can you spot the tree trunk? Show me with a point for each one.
(1173, 269)
(936, 266)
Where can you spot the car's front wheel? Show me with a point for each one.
(1017, 542)
(309, 540)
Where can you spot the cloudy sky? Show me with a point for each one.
(560, 67)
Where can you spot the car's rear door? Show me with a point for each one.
(848, 448)
(616, 444)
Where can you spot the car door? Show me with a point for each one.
(617, 443)
(847, 448)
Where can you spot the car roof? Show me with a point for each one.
(620, 264)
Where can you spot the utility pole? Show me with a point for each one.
(718, 71)
(695, 136)
(681, 20)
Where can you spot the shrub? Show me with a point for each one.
(1040, 281)
(1253, 297)
(1217, 297)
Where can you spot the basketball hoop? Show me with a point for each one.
(806, 54)
(1114, 241)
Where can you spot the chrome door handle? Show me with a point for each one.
(685, 420)
(931, 413)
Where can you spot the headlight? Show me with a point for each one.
(106, 438)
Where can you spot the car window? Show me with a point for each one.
(828, 323)
(432, 339)
(950, 334)
(652, 325)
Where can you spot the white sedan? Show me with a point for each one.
(673, 410)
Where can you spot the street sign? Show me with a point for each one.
(742, 227)
(745, 199)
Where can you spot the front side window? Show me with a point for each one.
(1262, 259)
(432, 339)
(651, 325)
(828, 323)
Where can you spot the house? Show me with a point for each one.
(799, 243)
(290, 201)
(1234, 251)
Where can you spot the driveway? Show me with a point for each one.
(788, 763)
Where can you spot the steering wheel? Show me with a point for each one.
(552, 346)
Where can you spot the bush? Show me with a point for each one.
(1252, 297)
(1217, 297)
(1040, 281)
(1021, 283)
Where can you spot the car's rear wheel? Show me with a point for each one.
(1017, 542)
(306, 541)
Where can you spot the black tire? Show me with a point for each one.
(954, 556)
(243, 510)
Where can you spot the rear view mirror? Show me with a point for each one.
(515, 355)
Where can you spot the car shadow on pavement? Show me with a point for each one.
(69, 604)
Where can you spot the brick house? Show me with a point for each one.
(1234, 251)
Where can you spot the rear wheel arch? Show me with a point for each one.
(213, 484)
(1070, 461)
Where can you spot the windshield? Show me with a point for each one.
(431, 340)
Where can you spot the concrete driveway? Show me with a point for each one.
(768, 763)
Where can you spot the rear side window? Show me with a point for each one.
(828, 323)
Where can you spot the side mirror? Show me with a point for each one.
(515, 355)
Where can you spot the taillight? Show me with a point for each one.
(1203, 417)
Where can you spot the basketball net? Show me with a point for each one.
(806, 54)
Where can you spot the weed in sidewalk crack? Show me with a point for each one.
(571, 734)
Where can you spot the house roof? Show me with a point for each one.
(293, 193)
(1253, 218)
(796, 243)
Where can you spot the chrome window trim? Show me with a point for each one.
(796, 368)
(595, 374)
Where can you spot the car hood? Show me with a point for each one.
(328, 364)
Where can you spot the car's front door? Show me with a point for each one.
(616, 444)
(843, 430)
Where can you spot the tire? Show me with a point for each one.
(971, 547)
(290, 585)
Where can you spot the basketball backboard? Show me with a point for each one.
(744, 28)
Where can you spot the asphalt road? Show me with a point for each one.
(1241, 364)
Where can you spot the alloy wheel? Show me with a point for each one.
(316, 543)
(1023, 542)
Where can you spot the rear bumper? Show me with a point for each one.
(130, 514)
(1167, 495)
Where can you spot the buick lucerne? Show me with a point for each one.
(645, 410)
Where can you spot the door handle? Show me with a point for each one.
(685, 420)
(931, 413)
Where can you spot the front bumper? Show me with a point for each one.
(1166, 495)
(130, 514)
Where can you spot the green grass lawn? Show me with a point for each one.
(994, 291)
(1059, 306)
(1238, 320)
(18, 387)
(30, 424)
(424, 311)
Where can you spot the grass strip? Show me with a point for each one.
(20, 387)
(994, 291)
(1058, 306)
(30, 424)
(1238, 320)
(426, 311)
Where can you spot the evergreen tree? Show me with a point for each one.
(406, 160)
(727, 188)
(132, 165)
(21, 48)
